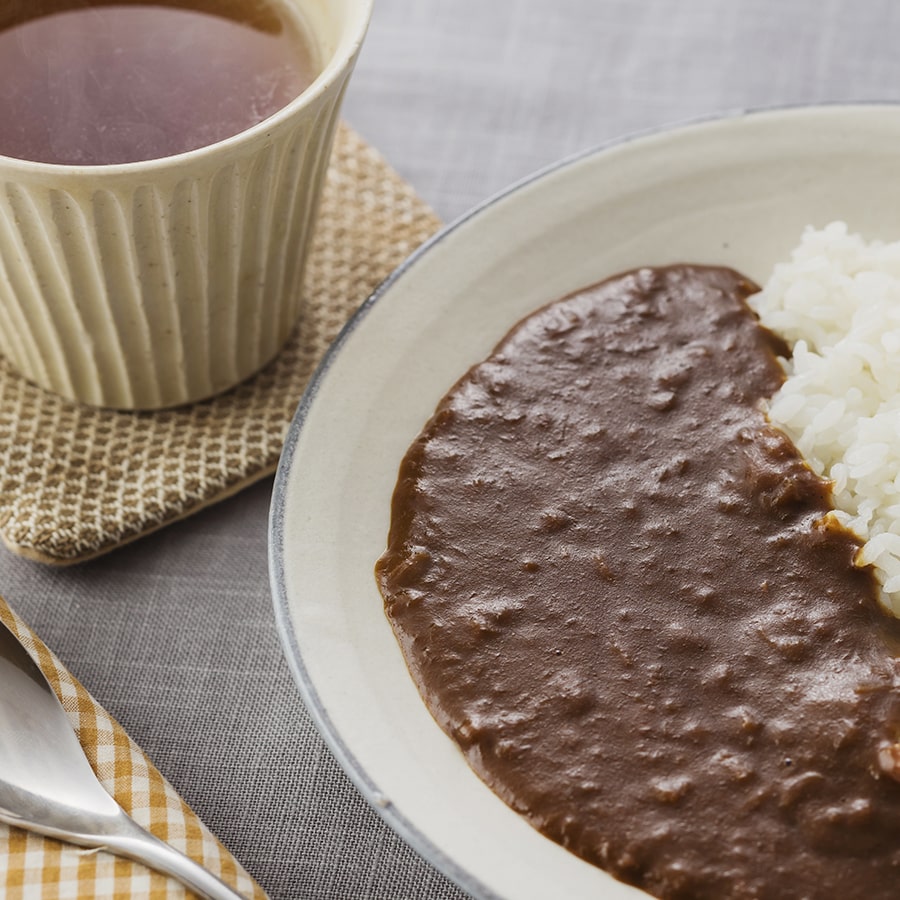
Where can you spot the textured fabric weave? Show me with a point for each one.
(76, 482)
(34, 866)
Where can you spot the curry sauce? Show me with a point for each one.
(620, 590)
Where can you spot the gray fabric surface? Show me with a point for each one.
(175, 635)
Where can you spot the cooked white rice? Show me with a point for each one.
(837, 303)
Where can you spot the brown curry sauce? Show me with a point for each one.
(619, 590)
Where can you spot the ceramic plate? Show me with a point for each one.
(737, 192)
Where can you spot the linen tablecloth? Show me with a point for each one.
(175, 635)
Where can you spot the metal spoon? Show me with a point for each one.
(48, 786)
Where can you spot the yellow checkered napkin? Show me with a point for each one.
(44, 869)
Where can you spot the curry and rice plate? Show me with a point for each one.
(628, 598)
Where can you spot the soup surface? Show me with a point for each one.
(93, 84)
(624, 595)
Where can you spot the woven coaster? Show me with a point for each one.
(77, 482)
(34, 867)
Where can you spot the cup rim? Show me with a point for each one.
(347, 47)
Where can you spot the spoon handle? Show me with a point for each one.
(133, 842)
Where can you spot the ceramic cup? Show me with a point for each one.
(158, 283)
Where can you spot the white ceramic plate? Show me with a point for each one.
(735, 191)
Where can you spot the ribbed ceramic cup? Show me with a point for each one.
(158, 283)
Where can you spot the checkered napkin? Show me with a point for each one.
(44, 869)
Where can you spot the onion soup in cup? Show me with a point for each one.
(160, 170)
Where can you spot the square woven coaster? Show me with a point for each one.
(77, 482)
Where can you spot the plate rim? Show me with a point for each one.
(318, 713)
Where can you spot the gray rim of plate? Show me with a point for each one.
(319, 714)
